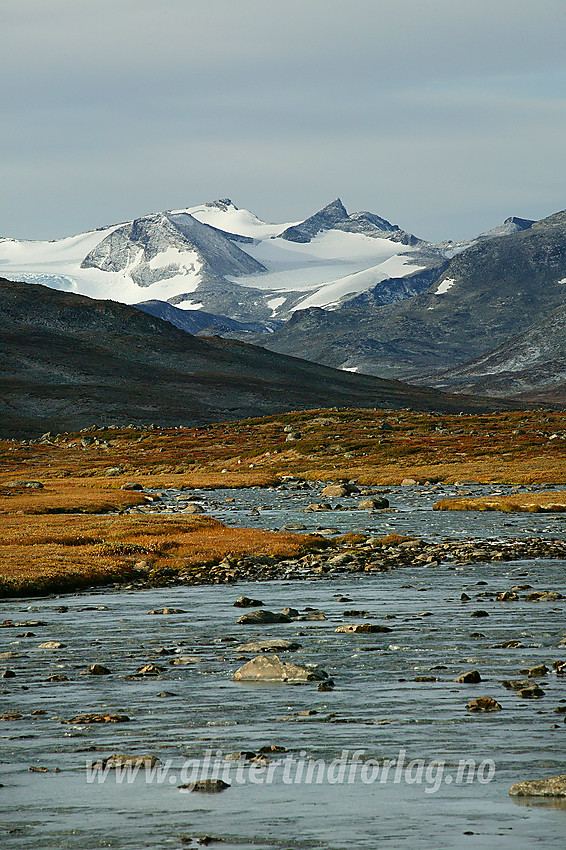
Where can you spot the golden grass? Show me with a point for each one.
(554, 502)
(66, 497)
(50, 552)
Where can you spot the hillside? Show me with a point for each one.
(68, 361)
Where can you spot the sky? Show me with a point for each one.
(443, 116)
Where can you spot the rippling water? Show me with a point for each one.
(376, 707)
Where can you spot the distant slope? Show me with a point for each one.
(487, 294)
(531, 363)
(199, 322)
(68, 362)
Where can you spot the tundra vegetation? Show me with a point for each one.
(75, 530)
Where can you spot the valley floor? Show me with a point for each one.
(67, 523)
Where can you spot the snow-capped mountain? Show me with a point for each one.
(225, 261)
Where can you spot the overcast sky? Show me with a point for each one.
(444, 116)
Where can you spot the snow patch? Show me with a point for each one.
(446, 284)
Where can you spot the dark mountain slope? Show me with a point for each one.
(68, 361)
(530, 363)
(488, 293)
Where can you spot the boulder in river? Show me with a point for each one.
(246, 602)
(98, 670)
(553, 786)
(532, 691)
(270, 668)
(362, 628)
(483, 704)
(260, 617)
(98, 718)
(51, 644)
(373, 504)
(339, 490)
(269, 645)
(471, 677)
(205, 786)
(123, 760)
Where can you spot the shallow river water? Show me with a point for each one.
(377, 707)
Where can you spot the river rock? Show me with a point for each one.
(543, 596)
(554, 786)
(269, 645)
(532, 691)
(193, 508)
(362, 628)
(270, 668)
(168, 611)
(472, 677)
(205, 786)
(131, 485)
(339, 490)
(318, 506)
(483, 704)
(515, 684)
(98, 670)
(536, 672)
(8, 674)
(373, 504)
(123, 760)
(149, 670)
(246, 602)
(51, 644)
(260, 617)
(98, 718)
(479, 614)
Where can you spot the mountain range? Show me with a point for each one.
(350, 291)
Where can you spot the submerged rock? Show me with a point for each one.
(270, 668)
(123, 760)
(205, 786)
(269, 645)
(98, 718)
(362, 628)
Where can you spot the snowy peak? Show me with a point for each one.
(161, 246)
(335, 217)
